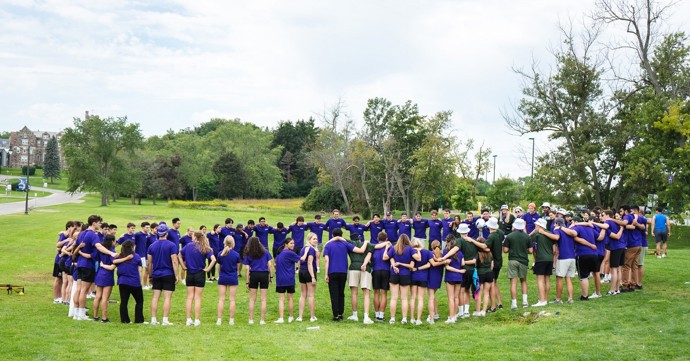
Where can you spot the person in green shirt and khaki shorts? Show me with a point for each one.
(517, 244)
(359, 276)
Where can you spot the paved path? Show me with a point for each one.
(57, 197)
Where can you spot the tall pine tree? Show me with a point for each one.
(51, 163)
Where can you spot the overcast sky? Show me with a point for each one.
(177, 64)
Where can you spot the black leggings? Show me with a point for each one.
(138, 294)
(212, 272)
(336, 287)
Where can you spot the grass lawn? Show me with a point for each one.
(649, 324)
(17, 196)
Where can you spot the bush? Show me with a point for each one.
(198, 204)
(324, 197)
(32, 170)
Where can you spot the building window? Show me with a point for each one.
(25, 141)
(24, 159)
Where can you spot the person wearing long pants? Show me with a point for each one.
(336, 254)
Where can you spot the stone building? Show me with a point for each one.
(24, 140)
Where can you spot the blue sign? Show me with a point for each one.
(21, 186)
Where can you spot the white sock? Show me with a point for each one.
(513, 302)
(524, 298)
(153, 320)
(165, 319)
(460, 310)
(189, 320)
(467, 308)
(197, 321)
(354, 313)
(366, 316)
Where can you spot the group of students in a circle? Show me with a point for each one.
(157, 258)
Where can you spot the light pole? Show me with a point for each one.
(532, 139)
(26, 205)
(495, 168)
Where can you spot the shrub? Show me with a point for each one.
(323, 197)
(215, 204)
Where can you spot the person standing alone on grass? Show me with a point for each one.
(661, 226)
(335, 252)
(518, 246)
(163, 263)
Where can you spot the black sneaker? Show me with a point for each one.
(500, 307)
(335, 319)
(340, 317)
(638, 287)
(105, 320)
(584, 298)
(491, 310)
(96, 319)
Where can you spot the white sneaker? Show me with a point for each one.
(525, 304)
(232, 321)
(154, 323)
(90, 296)
(368, 321)
(404, 321)
(197, 323)
(313, 319)
(663, 255)
(85, 318)
(450, 320)
(436, 316)
(658, 256)
(262, 322)
(476, 313)
(353, 318)
(430, 320)
(189, 323)
(219, 322)
(57, 301)
(251, 322)
(318, 270)
(280, 320)
(466, 315)
(298, 319)
(184, 282)
(539, 304)
(391, 321)
(595, 295)
(296, 271)
(166, 323)
(418, 322)
(290, 319)
(482, 314)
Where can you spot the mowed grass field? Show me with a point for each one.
(649, 324)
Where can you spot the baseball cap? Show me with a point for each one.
(162, 229)
(389, 214)
(559, 221)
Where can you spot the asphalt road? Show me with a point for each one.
(57, 197)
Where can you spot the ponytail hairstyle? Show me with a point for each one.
(484, 255)
(285, 242)
(202, 243)
(436, 248)
(382, 237)
(109, 241)
(75, 250)
(450, 243)
(127, 248)
(403, 242)
(229, 243)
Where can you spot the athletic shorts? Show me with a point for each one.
(565, 268)
(397, 279)
(617, 258)
(600, 260)
(196, 279)
(643, 256)
(143, 262)
(166, 283)
(486, 277)
(544, 268)
(454, 282)
(275, 252)
(516, 269)
(467, 279)
(304, 276)
(86, 274)
(497, 271)
(420, 283)
(587, 265)
(381, 280)
(297, 250)
(359, 279)
(64, 268)
(57, 272)
(660, 236)
(285, 289)
(258, 280)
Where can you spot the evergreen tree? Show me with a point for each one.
(51, 163)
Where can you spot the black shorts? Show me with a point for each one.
(298, 250)
(304, 276)
(275, 253)
(64, 268)
(587, 265)
(57, 272)
(486, 277)
(420, 283)
(497, 271)
(258, 279)
(397, 279)
(381, 280)
(86, 274)
(196, 279)
(600, 260)
(166, 283)
(617, 258)
(454, 282)
(285, 289)
(467, 279)
(544, 268)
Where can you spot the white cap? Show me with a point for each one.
(541, 222)
(492, 223)
(546, 204)
(519, 224)
(505, 206)
(463, 228)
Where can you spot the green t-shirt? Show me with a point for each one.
(469, 252)
(518, 243)
(544, 249)
(357, 259)
(483, 267)
(495, 244)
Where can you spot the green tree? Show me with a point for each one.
(295, 139)
(462, 197)
(232, 176)
(93, 148)
(51, 163)
(503, 191)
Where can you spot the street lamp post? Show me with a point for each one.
(495, 168)
(26, 204)
(532, 139)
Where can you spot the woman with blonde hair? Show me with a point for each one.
(401, 260)
(307, 277)
(229, 261)
(193, 260)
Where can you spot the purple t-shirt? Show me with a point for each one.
(279, 236)
(141, 241)
(260, 264)
(566, 245)
(435, 277)
(332, 224)
(240, 242)
(214, 241)
(405, 228)
(298, 234)
(628, 233)
(474, 232)
(193, 259)
(455, 262)
(228, 267)
(104, 277)
(357, 228)
(61, 237)
(614, 244)
(435, 229)
(642, 233)
(185, 240)
(374, 230)
(420, 227)
(127, 237)
(601, 245)
(225, 231)
(89, 239)
(377, 262)
(303, 264)
(337, 252)
(391, 228)
(405, 257)
(317, 229)
(446, 222)
(422, 275)
(161, 252)
(262, 233)
(128, 272)
(530, 219)
(174, 237)
(285, 268)
(587, 234)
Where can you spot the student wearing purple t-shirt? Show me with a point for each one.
(162, 262)
(356, 227)
(632, 253)
(336, 253)
(404, 226)
(565, 260)
(380, 276)
(105, 279)
(586, 254)
(453, 278)
(375, 227)
(419, 227)
(63, 238)
(259, 273)
(285, 278)
(446, 221)
(184, 241)
(420, 278)
(317, 227)
(279, 235)
(216, 244)
(129, 283)
(616, 249)
(86, 271)
(141, 241)
(229, 260)
(193, 259)
(402, 257)
(435, 279)
(640, 224)
(435, 226)
(390, 225)
(307, 276)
